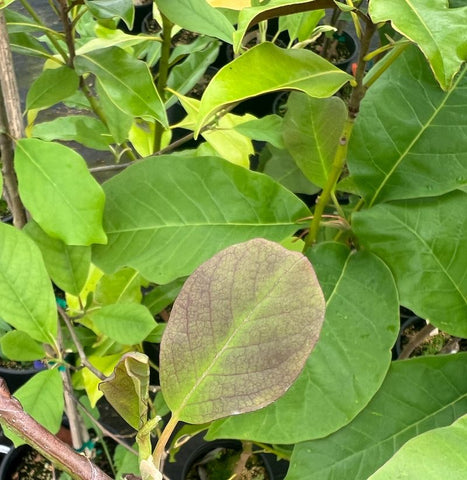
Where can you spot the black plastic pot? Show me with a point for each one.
(11, 460)
(197, 448)
(15, 378)
(141, 11)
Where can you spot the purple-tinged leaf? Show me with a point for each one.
(240, 331)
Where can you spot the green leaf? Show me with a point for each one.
(268, 68)
(5, 3)
(20, 347)
(125, 461)
(126, 80)
(439, 453)
(126, 323)
(163, 295)
(239, 347)
(88, 131)
(127, 388)
(300, 26)
(123, 286)
(312, 129)
(400, 148)
(421, 242)
(57, 188)
(265, 129)
(52, 86)
(28, 302)
(439, 31)
(165, 215)
(113, 8)
(67, 265)
(42, 398)
(360, 327)
(274, 8)
(197, 16)
(281, 166)
(417, 395)
(26, 44)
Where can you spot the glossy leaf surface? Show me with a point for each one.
(197, 16)
(126, 80)
(312, 129)
(422, 150)
(127, 388)
(268, 68)
(67, 265)
(240, 331)
(51, 87)
(439, 453)
(126, 323)
(422, 242)
(57, 188)
(360, 328)
(166, 215)
(21, 347)
(42, 397)
(112, 8)
(438, 30)
(28, 302)
(409, 402)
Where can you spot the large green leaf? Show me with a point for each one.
(27, 296)
(51, 87)
(415, 144)
(56, 187)
(268, 68)
(89, 131)
(126, 323)
(244, 340)
(165, 215)
(126, 80)
(123, 286)
(417, 395)
(439, 453)
(359, 330)
(113, 8)
(422, 241)
(274, 8)
(42, 398)
(312, 129)
(127, 388)
(197, 16)
(438, 30)
(21, 347)
(67, 265)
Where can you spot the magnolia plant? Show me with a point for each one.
(213, 223)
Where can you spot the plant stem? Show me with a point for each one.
(11, 126)
(159, 451)
(68, 28)
(12, 415)
(163, 75)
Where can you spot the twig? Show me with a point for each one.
(416, 341)
(59, 453)
(78, 345)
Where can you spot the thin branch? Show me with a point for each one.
(59, 453)
(416, 341)
(78, 345)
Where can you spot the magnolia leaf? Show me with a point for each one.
(409, 402)
(232, 4)
(127, 82)
(123, 286)
(126, 323)
(439, 453)
(241, 344)
(197, 16)
(439, 31)
(89, 131)
(113, 8)
(274, 8)
(165, 215)
(360, 328)
(268, 68)
(312, 129)
(421, 241)
(127, 388)
(28, 302)
(408, 154)
(265, 129)
(5, 3)
(52, 86)
(163, 295)
(56, 186)
(42, 397)
(21, 347)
